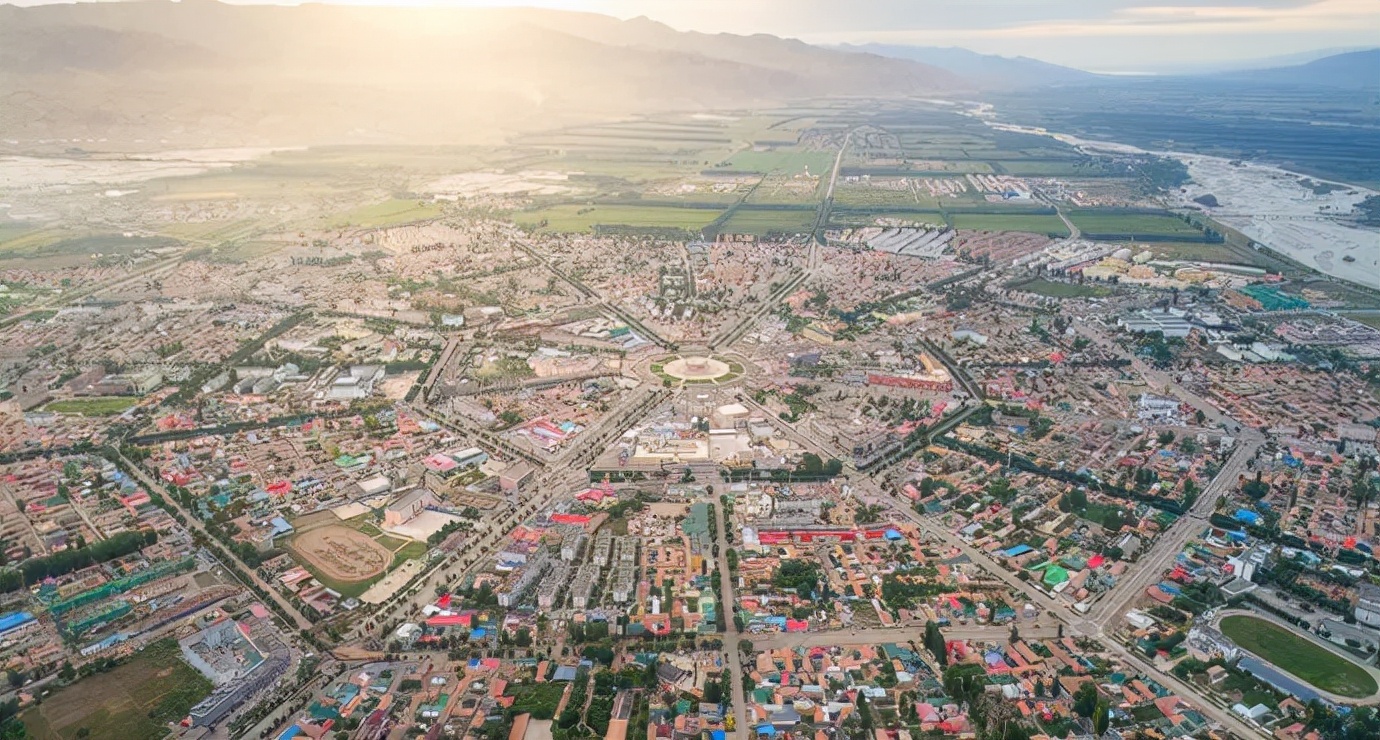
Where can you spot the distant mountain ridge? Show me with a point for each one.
(1354, 70)
(202, 72)
(987, 71)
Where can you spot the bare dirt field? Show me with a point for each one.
(342, 553)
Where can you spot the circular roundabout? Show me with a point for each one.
(696, 369)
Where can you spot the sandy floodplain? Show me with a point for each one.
(1275, 207)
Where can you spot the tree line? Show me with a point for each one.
(74, 559)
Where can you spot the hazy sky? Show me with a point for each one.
(1104, 35)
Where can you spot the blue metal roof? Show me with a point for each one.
(13, 620)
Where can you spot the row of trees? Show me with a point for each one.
(75, 558)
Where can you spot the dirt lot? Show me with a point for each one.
(342, 553)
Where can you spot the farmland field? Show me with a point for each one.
(781, 161)
(1034, 223)
(1300, 656)
(846, 216)
(1094, 221)
(570, 217)
(134, 701)
(1040, 168)
(745, 221)
(56, 244)
(865, 195)
(389, 213)
(12, 231)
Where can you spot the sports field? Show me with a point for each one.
(1300, 656)
(340, 555)
(135, 701)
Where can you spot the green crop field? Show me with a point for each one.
(389, 213)
(1300, 656)
(744, 221)
(865, 195)
(1034, 223)
(842, 217)
(1095, 221)
(572, 217)
(784, 161)
(100, 406)
(134, 701)
(11, 231)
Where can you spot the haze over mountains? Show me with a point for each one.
(203, 72)
(988, 71)
(200, 73)
(1356, 70)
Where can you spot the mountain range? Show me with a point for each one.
(1354, 70)
(202, 73)
(987, 71)
(209, 73)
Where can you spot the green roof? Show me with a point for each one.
(1054, 575)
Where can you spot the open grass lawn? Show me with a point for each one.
(411, 551)
(1299, 656)
(99, 406)
(132, 702)
(366, 528)
(1369, 319)
(1034, 223)
(389, 213)
(1094, 221)
(570, 217)
(390, 542)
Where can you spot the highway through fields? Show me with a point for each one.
(826, 205)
